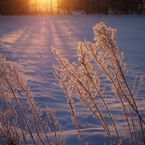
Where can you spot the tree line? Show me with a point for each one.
(12, 7)
(20, 7)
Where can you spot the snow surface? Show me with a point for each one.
(27, 40)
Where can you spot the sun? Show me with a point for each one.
(43, 5)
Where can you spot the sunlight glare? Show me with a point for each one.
(43, 5)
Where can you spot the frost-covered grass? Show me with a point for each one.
(27, 40)
(97, 61)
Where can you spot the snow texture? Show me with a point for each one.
(27, 41)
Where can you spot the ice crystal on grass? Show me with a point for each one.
(22, 123)
(84, 80)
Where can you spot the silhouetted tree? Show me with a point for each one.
(66, 6)
(58, 6)
(10, 7)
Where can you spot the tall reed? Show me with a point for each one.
(84, 80)
(21, 119)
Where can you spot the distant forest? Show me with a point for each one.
(24, 7)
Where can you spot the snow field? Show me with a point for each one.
(27, 41)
